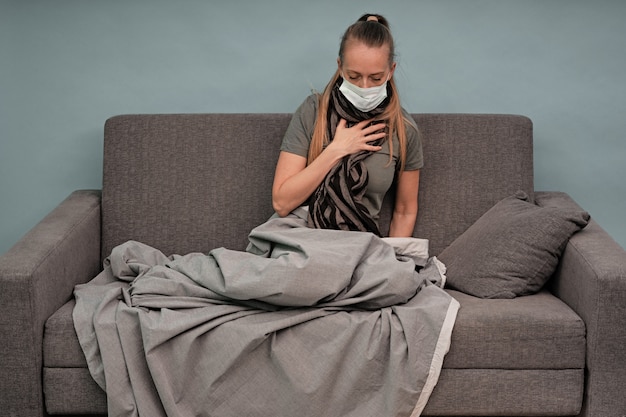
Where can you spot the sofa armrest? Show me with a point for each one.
(37, 276)
(591, 279)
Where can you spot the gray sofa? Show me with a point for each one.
(184, 183)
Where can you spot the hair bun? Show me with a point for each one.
(373, 17)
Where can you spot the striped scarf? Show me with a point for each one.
(337, 202)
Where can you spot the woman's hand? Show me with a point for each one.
(295, 181)
(349, 140)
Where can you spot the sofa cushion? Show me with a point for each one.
(534, 332)
(529, 392)
(511, 250)
(538, 331)
(193, 182)
(188, 183)
(528, 343)
(61, 348)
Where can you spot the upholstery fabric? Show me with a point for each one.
(546, 334)
(169, 180)
(38, 275)
(494, 342)
(502, 392)
(534, 332)
(85, 397)
(175, 181)
(471, 163)
(590, 279)
(512, 250)
(529, 392)
(60, 345)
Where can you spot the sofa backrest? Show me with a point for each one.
(193, 182)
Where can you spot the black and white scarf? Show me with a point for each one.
(337, 202)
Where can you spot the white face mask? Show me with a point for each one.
(364, 99)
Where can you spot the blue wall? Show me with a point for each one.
(68, 65)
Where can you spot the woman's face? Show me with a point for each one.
(365, 66)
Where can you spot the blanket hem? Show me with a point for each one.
(441, 349)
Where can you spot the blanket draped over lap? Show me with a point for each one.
(305, 322)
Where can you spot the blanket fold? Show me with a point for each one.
(305, 322)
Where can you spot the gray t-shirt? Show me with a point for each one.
(381, 174)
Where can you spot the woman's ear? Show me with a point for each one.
(393, 69)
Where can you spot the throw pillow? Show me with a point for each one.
(511, 250)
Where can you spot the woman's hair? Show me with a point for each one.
(373, 31)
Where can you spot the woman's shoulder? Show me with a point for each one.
(300, 130)
(309, 105)
(408, 119)
(414, 154)
(305, 115)
(411, 128)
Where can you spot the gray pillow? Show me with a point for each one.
(511, 250)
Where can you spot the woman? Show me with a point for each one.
(337, 154)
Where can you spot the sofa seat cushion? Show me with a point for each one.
(532, 332)
(537, 331)
(61, 348)
(542, 392)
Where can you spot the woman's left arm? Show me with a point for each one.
(405, 208)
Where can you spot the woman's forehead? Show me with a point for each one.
(361, 58)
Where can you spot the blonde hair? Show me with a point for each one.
(373, 33)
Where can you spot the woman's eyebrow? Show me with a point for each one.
(371, 75)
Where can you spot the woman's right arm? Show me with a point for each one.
(295, 181)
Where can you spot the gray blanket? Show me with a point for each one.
(305, 322)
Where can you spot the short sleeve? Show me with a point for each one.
(414, 154)
(298, 136)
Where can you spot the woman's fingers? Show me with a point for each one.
(364, 128)
(374, 128)
(356, 137)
